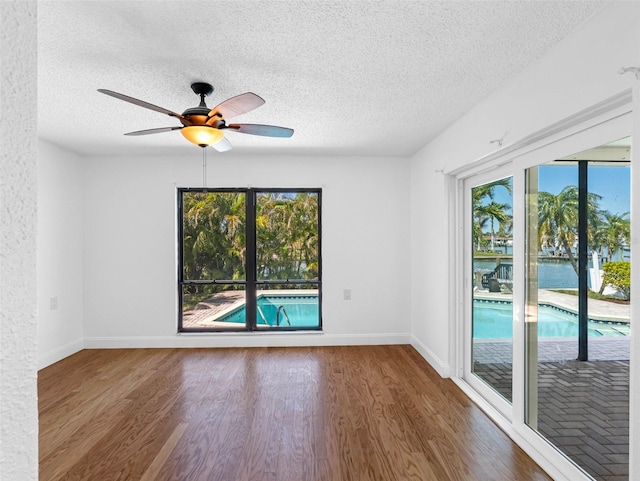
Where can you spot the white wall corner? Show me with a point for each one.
(60, 353)
(440, 366)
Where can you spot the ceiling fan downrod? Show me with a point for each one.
(202, 89)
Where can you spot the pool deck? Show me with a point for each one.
(206, 313)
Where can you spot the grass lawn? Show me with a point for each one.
(491, 254)
(592, 295)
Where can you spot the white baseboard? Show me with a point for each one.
(441, 368)
(60, 353)
(253, 339)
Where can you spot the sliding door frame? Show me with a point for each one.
(608, 121)
(484, 389)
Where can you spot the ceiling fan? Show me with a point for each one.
(204, 126)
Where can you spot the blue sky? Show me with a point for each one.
(612, 183)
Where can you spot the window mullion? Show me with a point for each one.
(250, 268)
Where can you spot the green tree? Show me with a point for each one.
(496, 212)
(287, 235)
(214, 236)
(558, 219)
(213, 227)
(487, 211)
(618, 275)
(615, 231)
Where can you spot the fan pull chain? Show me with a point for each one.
(204, 167)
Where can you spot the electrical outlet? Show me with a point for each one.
(53, 303)
(347, 294)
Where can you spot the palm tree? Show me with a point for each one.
(485, 209)
(558, 218)
(615, 231)
(213, 235)
(495, 211)
(287, 235)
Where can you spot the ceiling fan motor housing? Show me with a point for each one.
(200, 114)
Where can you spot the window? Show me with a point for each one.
(249, 259)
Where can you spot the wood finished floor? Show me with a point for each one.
(367, 413)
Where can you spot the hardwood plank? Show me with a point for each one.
(265, 414)
(127, 448)
(154, 468)
(98, 394)
(56, 461)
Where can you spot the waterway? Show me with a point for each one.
(552, 273)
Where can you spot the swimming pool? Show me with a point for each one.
(493, 320)
(298, 310)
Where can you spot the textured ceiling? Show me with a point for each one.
(351, 77)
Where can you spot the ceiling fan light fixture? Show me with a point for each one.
(203, 126)
(202, 135)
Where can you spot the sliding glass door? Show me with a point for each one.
(546, 321)
(489, 336)
(577, 307)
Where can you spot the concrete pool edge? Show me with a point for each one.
(599, 311)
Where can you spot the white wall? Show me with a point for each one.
(18, 184)
(60, 220)
(580, 72)
(430, 267)
(130, 245)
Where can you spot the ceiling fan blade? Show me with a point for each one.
(240, 104)
(264, 130)
(223, 145)
(140, 103)
(153, 131)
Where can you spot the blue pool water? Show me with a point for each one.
(494, 320)
(301, 311)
